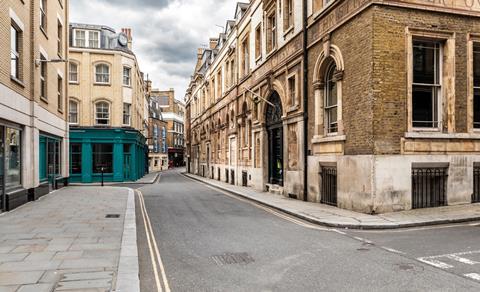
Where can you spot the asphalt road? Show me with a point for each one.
(210, 241)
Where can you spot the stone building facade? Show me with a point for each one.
(157, 133)
(392, 99)
(108, 111)
(173, 113)
(33, 88)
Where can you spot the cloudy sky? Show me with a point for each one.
(166, 33)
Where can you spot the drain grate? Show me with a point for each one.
(112, 216)
(233, 258)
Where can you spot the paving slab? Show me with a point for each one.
(64, 242)
(335, 217)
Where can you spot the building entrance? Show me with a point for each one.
(275, 139)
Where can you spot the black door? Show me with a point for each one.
(276, 156)
(275, 139)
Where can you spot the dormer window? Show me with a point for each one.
(80, 38)
(86, 39)
(94, 39)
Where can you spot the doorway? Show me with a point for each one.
(275, 139)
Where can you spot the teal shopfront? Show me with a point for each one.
(118, 152)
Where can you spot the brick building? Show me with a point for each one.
(173, 113)
(157, 133)
(33, 89)
(391, 93)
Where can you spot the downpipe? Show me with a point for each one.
(305, 100)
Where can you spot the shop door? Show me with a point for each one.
(274, 125)
(53, 162)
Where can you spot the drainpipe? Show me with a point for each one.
(305, 101)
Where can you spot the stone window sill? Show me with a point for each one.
(437, 135)
(326, 139)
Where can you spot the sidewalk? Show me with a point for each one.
(335, 217)
(64, 242)
(149, 178)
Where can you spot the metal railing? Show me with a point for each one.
(476, 185)
(429, 187)
(329, 186)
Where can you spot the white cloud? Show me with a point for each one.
(166, 33)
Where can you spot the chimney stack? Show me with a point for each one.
(128, 33)
(213, 43)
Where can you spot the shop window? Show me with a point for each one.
(476, 86)
(102, 113)
(73, 112)
(426, 88)
(102, 157)
(12, 157)
(76, 158)
(53, 157)
(331, 101)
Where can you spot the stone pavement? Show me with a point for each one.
(149, 178)
(336, 217)
(64, 242)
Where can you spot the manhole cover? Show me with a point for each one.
(112, 216)
(232, 258)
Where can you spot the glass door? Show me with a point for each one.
(127, 157)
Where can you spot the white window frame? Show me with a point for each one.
(15, 56)
(43, 78)
(97, 113)
(76, 39)
(102, 74)
(70, 80)
(43, 15)
(330, 77)
(128, 77)
(91, 39)
(128, 114)
(75, 113)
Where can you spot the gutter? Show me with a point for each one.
(305, 100)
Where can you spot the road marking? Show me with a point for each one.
(462, 260)
(435, 263)
(159, 258)
(392, 250)
(473, 276)
(152, 256)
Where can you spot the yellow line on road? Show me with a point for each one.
(154, 241)
(152, 256)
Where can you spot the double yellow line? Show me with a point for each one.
(155, 257)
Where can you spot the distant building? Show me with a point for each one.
(173, 112)
(157, 134)
(33, 90)
(107, 115)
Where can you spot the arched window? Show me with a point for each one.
(73, 112)
(102, 73)
(331, 100)
(102, 113)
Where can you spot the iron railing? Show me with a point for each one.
(329, 186)
(429, 187)
(476, 185)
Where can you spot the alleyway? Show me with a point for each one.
(211, 241)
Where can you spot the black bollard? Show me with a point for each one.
(102, 176)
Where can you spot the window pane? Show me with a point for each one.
(12, 158)
(76, 163)
(102, 157)
(425, 62)
(476, 65)
(476, 108)
(424, 103)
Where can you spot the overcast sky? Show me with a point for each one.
(166, 33)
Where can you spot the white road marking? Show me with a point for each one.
(462, 260)
(435, 263)
(154, 240)
(473, 276)
(392, 250)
